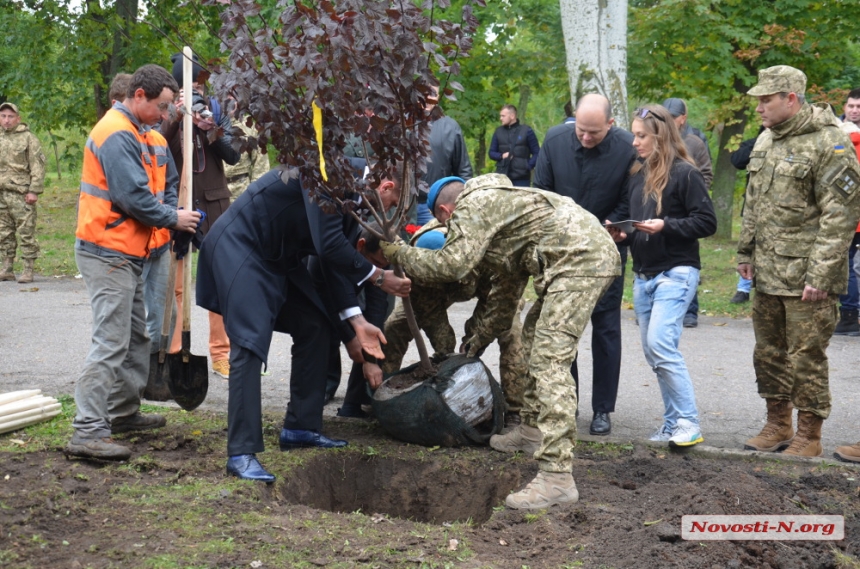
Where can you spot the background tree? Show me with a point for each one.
(700, 49)
(595, 41)
(515, 59)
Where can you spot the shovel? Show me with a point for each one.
(188, 375)
(157, 388)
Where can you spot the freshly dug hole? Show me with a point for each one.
(430, 491)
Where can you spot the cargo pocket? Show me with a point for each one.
(792, 258)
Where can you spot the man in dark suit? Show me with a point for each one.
(250, 271)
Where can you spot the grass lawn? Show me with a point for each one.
(55, 226)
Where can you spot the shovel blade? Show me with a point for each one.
(188, 379)
(157, 388)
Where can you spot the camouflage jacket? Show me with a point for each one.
(22, 162)
(479, 283)
(801, 205)
(251, 165)
(513, 233)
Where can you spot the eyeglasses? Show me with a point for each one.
(643, 112)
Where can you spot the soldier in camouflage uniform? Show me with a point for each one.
(800, 216)
(430, 304)
(517, 233)
(22, 177)
(251, 165)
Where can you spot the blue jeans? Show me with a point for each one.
(660, 304)
(744, 285)
(156, 271)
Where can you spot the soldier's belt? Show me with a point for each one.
(239, 178)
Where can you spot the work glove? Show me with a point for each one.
(182, 240)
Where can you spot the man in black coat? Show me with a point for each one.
(514, 147)
(251, 272)
(590, 163)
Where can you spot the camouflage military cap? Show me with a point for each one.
(11, 106)
(779, 79)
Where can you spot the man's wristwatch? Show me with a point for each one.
(380, 279)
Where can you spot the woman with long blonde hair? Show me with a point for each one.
(669, 197)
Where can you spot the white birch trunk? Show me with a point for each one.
(595, 41)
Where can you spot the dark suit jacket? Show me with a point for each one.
(257, 247)
(334, 238)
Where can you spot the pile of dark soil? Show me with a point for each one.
(379, 503)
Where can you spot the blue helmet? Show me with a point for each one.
(437, 187)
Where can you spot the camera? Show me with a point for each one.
(198, 106)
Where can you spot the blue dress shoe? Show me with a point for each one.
(247, 467)
(296, 438)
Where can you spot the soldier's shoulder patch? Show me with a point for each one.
(838, 149)
(844, 180)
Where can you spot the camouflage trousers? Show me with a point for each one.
(431, 313)
(551, 335)
(790, 356)
(17, 216)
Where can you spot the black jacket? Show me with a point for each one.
(688, 215)
(253, 254)
(595, 178)
(448, 156)
(520, 140)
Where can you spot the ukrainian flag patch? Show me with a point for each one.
(838, 149)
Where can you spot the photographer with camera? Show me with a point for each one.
(212, 148)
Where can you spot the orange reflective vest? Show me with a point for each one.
(100, 222)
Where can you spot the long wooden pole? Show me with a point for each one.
(187, 159)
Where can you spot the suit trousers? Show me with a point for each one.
(310, 331)
(606, 356)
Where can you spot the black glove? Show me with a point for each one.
(183, 239)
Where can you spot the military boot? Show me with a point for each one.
(521, 438)
(6, 273)
(27, 275)
(847, 325)
(807, 442)
(547, 489)
(848, 453)
(777, 432)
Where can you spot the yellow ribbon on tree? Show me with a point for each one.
(318, 130)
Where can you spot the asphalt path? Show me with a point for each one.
(45, 332)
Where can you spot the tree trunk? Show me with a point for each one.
(597, 63)
(56, 154)
(126, 12)
(525, 95)
(726, 176)
(481, 152)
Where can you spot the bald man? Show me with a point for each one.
(590, 163)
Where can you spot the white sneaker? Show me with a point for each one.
(661, 435)
(686, 434)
